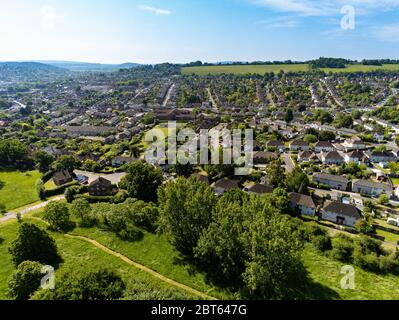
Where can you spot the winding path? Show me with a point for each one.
(142, 267)
(135, 264)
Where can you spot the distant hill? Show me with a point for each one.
(89, 67)
(29, 71)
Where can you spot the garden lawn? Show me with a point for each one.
(18, 188)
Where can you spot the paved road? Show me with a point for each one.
(115, 178)
(167, 98)
(214, 105)
(13, 215)
(289, 163)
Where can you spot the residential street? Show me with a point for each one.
(289, 163)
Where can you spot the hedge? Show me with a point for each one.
(60, 189)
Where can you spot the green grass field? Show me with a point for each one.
(324, 274)
(17, 188)
(78, 254)
(262, 69)
(256, 69)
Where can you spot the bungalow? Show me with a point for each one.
(121, 161)
(299, 145)
(100, 187)
(382, 157)
(279, 145)
(332, 157)
(324, 146)
(263, 157)
(371, 188)
(259, 189)
(224, 185)
(355, 156)
(341, 213)
(303, 203)
(307, 156)
(76, 131)
(62, 177)
(353, 144)
(334, 182)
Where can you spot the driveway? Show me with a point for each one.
(115, 178)
(289, 163)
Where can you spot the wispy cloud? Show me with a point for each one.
(387, 33)
(327, 7)
(281, 22)
(157, 11)
(48, 17)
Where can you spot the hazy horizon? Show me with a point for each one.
(156, 31)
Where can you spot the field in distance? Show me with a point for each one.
(262, 69)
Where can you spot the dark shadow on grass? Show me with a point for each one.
(1, 241)
(2, 184)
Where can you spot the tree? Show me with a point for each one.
(327, 136)
(142, 181)
(81, 210)
(25, 280)
(184, 170)
(185, 211)
(86, 285)
(57, 215)
(43, 161)
(33, 244)
(310, 138)
(383, 199)
(12, 153)
(289, 116)
(220, 250)
(273, 269)
(69, 163)
(297, 181)
(275, 174)
(148, 118)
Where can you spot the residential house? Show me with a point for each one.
(121, 161)
(332, 157)
(224, 185)
(382, 157)
(202, 178)
(303, 203)
(263, 157)
(279, 145)
(332, 181)
(324, 146)
(299, 145)
(354, 144)
(341, 213)
(307, 156)
(355, 156)
(62, 177)
(371, 188)
(259, 189)
(100, 187)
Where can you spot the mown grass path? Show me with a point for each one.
(137, 265)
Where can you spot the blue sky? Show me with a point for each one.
(154, 31)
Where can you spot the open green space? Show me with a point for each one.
(78, 254)
(262, 69)
(18, 188)
(243, 69)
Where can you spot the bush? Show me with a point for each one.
(368, 245)
(368, 262)
(342, 248)
(388, 264)
(25, 280)
(322, 242)
(131, 233)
